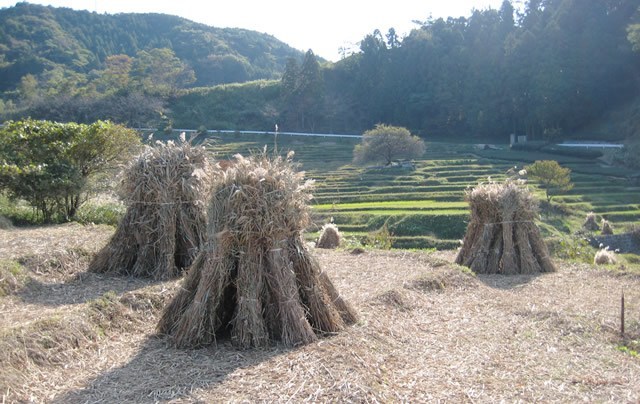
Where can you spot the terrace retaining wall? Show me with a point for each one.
(625, 242)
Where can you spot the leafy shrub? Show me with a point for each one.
(381, 239)
(17, 212)
(630, 154)
(572, 248)
(101, 212)
(446, 226)
(48, 164)
(5, 223)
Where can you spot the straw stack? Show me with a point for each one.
(590, 222)
(165, 190)
(502, 236)
(605, 256)
(606, 228)
(256, 281)
(329, 237)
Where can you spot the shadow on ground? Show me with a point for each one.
(507, 282)
(159, 373)
(79, 289)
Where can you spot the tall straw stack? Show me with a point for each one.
(165, 190)
(502, 236)
(256, 281)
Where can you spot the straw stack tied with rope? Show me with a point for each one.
(256, 281)
(502, 236)
(165, 189)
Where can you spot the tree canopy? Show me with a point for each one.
(66, 65)
(48, 163)
(387, 143)
(551, 176)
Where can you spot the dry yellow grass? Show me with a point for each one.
(427, 332)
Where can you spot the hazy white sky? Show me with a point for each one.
(323, 26)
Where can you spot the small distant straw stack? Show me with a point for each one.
(604, 257)
(329, 237)
(590, 222)
(606, 228)
(165, 190)
(502, 236)
(256, 281)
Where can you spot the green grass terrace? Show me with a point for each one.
(425, 207)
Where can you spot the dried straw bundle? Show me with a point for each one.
(590, 222)
(502, 236)
(256, 281)
(165, 189)
(606, 228)
(605, 257)
(329, 237)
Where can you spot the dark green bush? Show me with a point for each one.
(423, 243)
(101, 213)
(440, 226)
(529, 146)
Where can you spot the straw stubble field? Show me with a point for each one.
(427, 331)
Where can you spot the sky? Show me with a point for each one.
(323, 26)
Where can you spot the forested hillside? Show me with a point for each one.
(35, 38)
(58, 63)
(546, 71)
(550, 69)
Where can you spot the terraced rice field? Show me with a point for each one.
(425, 207)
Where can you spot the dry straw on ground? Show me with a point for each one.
(256, 280)
(165, 190)
(488, 338)
(329, 237)
(590, 222)
(502, 236)
(605, 257)
(606, 227)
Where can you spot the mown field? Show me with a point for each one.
(425, 207)
(428, 331)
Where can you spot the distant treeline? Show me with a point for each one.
(547, 70)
